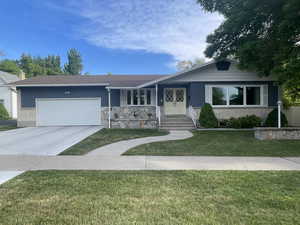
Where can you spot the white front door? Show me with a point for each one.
(174, 101)
(68, 112)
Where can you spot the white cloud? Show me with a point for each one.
(174, 27)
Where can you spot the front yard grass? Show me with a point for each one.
(4, 128)
(151, 197)
(108, 136)
(220, 143)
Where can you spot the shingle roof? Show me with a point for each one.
(108, 80)
(8, 77)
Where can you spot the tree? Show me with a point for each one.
(38, 66)
(26, 64)
(74, 65)
(189, 64)
(10, 66)
(262, 35)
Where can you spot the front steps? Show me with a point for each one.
(176, 122)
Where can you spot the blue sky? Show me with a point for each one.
(121, 37)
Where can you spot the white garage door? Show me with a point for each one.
(68, 112)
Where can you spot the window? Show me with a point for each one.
(253, 95)
(149, 97)
(128, 97)
(138, 97)
(2, 101)
(247, 95)
(142, 97)
(236, 95)
(219, 95)
(135, 97)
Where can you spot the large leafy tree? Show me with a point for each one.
(10, 66)
(74, 65)
(264, 35)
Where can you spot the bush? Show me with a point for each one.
(242, 122)
(272, 119)
(250, 121)
(234, 123)
(207, 117)
(3, 113)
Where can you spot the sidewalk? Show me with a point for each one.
(118, 148)
(23, 163)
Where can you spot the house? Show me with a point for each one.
(144, 100)
(8, 95)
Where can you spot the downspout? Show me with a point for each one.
(109, 108)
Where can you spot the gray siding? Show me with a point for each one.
(273, 95)
(197, 94)
(29, 94)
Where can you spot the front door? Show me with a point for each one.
(174, 101)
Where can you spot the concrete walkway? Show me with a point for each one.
(118, 148)
(22, 163)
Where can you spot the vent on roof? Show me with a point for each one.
(223, 65)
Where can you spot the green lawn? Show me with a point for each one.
(4, 128)
(152, 198)
(108, 136)
(220, 143)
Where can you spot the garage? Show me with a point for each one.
(68, 111)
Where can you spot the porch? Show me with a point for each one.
(155, 106)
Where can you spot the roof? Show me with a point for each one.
(121, 81)
(8, 77)
(204, 65)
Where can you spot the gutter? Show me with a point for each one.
(58, 85)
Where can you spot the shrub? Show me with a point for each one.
(223, 123)
(207, 117)
(3, 113)
(234, 123)
(242, 122)
(272, 119)
(250, 121)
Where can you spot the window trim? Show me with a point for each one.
(244, 96)
(125, 93)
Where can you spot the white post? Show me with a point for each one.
(279, 113)
(109, 108)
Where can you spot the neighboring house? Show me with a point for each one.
(8, 95)
(143, 100)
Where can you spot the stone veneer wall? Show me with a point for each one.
(227, 113)
(121, 117)
(130, 117)
(271, 133)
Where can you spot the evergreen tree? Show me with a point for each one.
(74, 65)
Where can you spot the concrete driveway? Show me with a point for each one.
(42, 140)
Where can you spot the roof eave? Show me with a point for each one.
(59, 85)
(176, 74)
